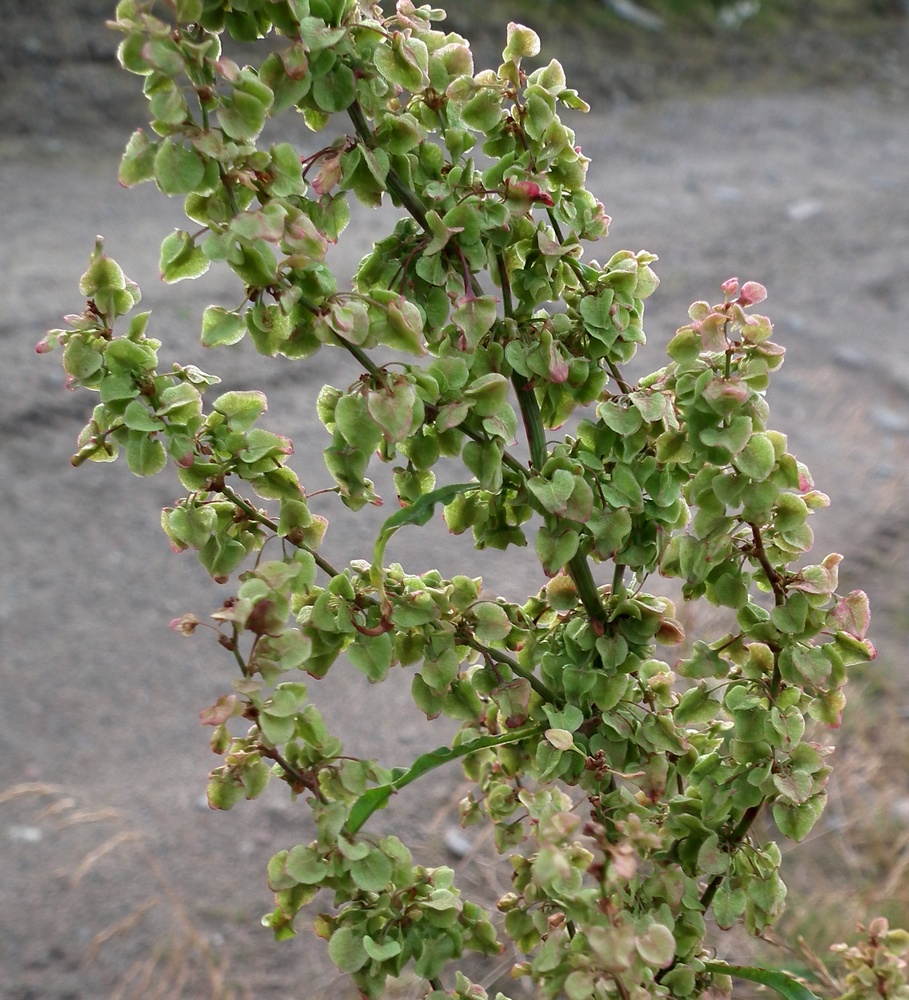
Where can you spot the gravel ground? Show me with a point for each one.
(795, 177)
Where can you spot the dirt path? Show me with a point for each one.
(802, 191)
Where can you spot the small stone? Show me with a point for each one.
(800, 211)
(889, 420)
(456, 843)
(850, 357)
(635, 14)
(25, 834)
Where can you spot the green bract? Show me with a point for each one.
(622, 780)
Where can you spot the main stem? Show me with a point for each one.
(578, 566)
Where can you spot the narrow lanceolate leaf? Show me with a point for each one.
(781, 982)
(417, 513)
(377, 798)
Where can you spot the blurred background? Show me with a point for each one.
(763, 138)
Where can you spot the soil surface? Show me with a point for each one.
(116, 879)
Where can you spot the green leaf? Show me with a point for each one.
(555, 551)
(145, 456)
(622, 419)
(138, 162)
(791, 616)
(405, 62)
(570, 717)
(243, 117)
(695, 707)
(127, 356)
(492, 622)
(656, 946)
(178, 170)
(81, 360)
(181, 258)
(381, 951)
(221, 556)
(372, 873)
(522, 41)
(372, 655)
(138, 417)
(357, 427)
(346, 950)
(255, 264)
(427, 700)
(179, 402)
(795, 820)
(418, 513)
(404, 329)
(728, 905)
(462, 702)
(757, 459)
(223, 790)
(553, 493)
(242, 409)
(376, 798)
(392, 408)
(317, 33)
(781, 982)
(596, 310)
(711, 858)
(474, 318)
(685, 346)
(221, 327)
(561, 739)
(483, 111)
(188, 11)
(484, 460)
(336, 90)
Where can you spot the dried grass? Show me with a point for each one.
(180, 966)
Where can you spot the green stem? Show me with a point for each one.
(395, 185)
(738, 835)
(533, 422)
(578, 566)
(235, 649)
(95, 444)
(260, 518)
(579, 570)
(359, 354)
(505, 285)
(515, 668)
(378, 797)
(760, 553)
(576, 266)
(527, 400)
(617, 376)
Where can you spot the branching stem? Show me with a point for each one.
(773, 577)
(266, 522)
(515, 668)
